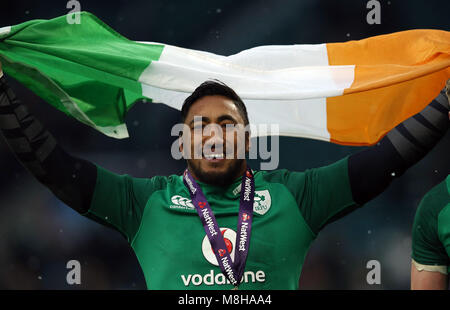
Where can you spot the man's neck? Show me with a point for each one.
(237, 175)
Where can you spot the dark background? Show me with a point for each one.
(39, 234)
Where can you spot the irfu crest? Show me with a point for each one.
(262, 202)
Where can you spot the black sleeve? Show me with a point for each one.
(71, 179)
(372, 170)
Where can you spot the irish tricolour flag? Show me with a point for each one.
(349, 93)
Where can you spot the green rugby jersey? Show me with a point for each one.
(431, 229)
(159, 221)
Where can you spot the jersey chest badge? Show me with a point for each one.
(180, 202)
(262, 202)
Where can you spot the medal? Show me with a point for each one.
(233, 271)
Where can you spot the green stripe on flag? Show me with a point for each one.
(86, 70)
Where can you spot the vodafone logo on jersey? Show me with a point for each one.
(218, 278)
(229, 236)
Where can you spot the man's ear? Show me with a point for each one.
(180, 143)
(248, 142)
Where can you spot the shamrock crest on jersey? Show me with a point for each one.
(262, 202)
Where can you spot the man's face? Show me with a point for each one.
(215, 152)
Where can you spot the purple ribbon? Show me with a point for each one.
(233, 271)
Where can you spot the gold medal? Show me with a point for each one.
(235, 288)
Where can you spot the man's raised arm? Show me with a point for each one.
(71, 179)
(372, 170)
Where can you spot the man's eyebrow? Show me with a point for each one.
(203, 119)
(226, 117)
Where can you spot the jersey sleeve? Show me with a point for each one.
(427, 246)
(322, 194)
(119, 200)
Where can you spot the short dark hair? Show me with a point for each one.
(212, 88)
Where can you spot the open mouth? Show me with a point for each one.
(214, 157)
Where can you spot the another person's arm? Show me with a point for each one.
(431, 240)
(422, 279)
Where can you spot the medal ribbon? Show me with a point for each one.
(233, 271)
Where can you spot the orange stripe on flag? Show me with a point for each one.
(396, 76)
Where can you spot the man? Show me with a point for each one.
(431, 240)
(277, 213)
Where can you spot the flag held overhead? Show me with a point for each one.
(350, 93)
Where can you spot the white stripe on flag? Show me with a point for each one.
(286, 85)
(249, 75)
(296, 118)
(5, 30)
